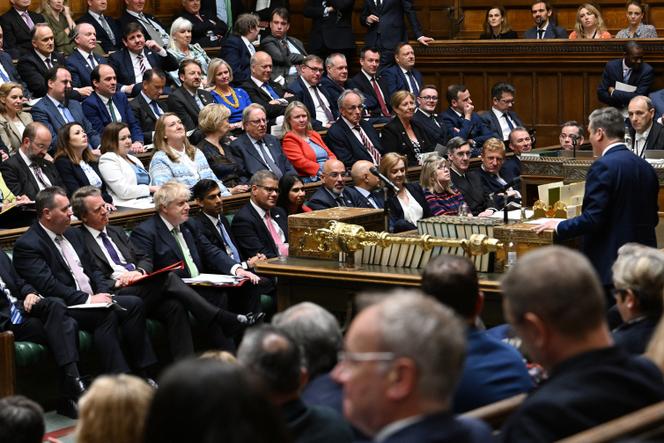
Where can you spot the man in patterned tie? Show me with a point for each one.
(18, 22)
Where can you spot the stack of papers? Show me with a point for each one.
(213, 279)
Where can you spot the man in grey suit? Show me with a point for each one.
(287, 52)
(544, 28)
(500, 118)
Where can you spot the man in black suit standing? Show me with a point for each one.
(287, 52)
(18, 23)
(256, 150)
(146, 106)
(351, 138)
(260, 226)
(331, 30)
(58, 264)
(425, 115)
(645, 133)
(500, 118)
(333, 193)
(188, 100)
(374, 88)
(469, 183)
(366, 187)
(27, 172)
(107, 30)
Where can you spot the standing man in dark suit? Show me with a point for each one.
(238, 48)
(287, 52)
(385, 20)
(188, 100)
(630, 70)
(307, 89)
(107, 30)
(58, 264)
(333, 193)
(107, 105)
(645, 133)
(27, 172)
(150, 26)
(18, 24)
(462, 121)
(372, 86)
(256, 150)
(260, 226)
(84, 58)
(469, 183)
(351, 138)
(425, 115)
(146, 106)
(500, 118)
(207, 30)
(138, 55)
(403, 76)
(544, 28)
(366, 189)
(620, 198)
(331, 30)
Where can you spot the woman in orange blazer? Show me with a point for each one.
(303, 146)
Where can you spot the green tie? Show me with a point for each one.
(191, 266)
(111, 110)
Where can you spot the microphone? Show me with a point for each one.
(374, 170)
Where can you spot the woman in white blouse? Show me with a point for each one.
(13, 119)
(124, 174)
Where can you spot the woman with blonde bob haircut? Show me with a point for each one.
(13, 119)
(441, 195)
(114, 409)
(589, 24)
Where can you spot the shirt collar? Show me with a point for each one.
(52, 235)
(214, 220)
(168, 224)
(147, 99)
(258, 82)
(95, 233)
(55, 102)
(645, 133)
(396, 426)
(306, 83)
(25, 157)
(362, 191)
(84, 53)
(612, 145)
(261, 211)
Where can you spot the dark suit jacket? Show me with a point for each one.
(145, 116)
(32, 70)
(300, 91)
(334, 31)
(332, 88)
(244, 153)
(511, 168)
(363, 202)
(209, 8)
(80, 68)
(126, 18)
(102, 37)
(322, 199)
(124, 69)
(282, 58)
(395, 80)
(263, 98)
(152, 237)
(443, 427)
(8, 64)
(619, 206)
(20, 180)
(359, 81)
(493, 124)
(474, 129)
(436, 133)
(204, 226)
(395, 139)
(578, 393)
(613, 72)
(341, 140)
(97, 112)
(391, 29)
(491, 185)
(74, 178)
(252, 235)
(397, 221)
(552, 31)
(202, 25)
(183, 104)
(472, 190)
(44, 111)
(37, 258)
(18, 287)
(236, 54)
(17, 35)
(655, 138)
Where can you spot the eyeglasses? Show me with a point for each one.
(354, 107)
(507, 101)
(257, 121)
(314, 69)
(337, 174)
(429, 98)
(269, 189)
(363, 357)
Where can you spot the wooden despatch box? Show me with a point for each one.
(298, 224)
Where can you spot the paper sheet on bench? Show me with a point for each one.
(541, 221)
(624, 87)
(213, 279)
(91, 305)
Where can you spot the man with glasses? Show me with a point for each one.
(306, 87)
(520, 141)
(402, 359)
(571, 134)
(260, 226)
(255, 150)
(425, 115)
(501, 119)
(468, 183)
(333, 193)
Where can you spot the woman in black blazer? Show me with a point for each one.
(409, 205)
(401, 134)
(496, 26)
(77, 165)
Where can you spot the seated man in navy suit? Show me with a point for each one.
(336, 80)
(351, 138)
(520, 141)
(333, 193)
(238, 48)
(366, 187)
(493, 182)
(7, 68)
(107, 105)
(146, 106)
(544, 28)
(403, 76)
(260, 226)
(462, 121)
(188, 100)
(307, 89)
(84, 58)
(256, 150)
(425, 115)
(56, 110)
(493, 369)
(500, 118)
(372, 86)
(389, 337)
(107, 29)
(630, 70)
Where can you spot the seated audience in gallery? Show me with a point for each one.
(291, 195)
(220, 76)
(441, 195)
(636, 28)
(589, 24)
(496, 25)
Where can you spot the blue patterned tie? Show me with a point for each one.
(235, 255)
(113, 253)
(14, 313)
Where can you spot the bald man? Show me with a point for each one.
(366, 186)
(333, 193)
(645, 133)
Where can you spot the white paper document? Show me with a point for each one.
(212, 279)
(624, 87)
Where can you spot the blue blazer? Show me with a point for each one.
(80, 68)
(552, 31)
(103, 38)
(341, 140)
(244, 153)
(8, 64)
(44, 111)
(475, 128)
(613, 72)
(363, 202)
(491, 121)
(300, 91)
(619, 206)
(391, 29)
(99, 116)
(236, 54)
(251, 234)
(124, 69)
(153, 237)
(395, 80)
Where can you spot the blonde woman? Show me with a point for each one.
(220, 76)
(589, 24)
(13, 119)
(58, 17)
(441, 195)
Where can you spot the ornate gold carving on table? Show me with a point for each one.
(542, 210)
(543, 166)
